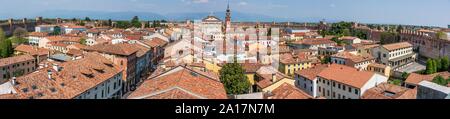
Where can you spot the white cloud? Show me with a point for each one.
(243, 3)
(200, 1)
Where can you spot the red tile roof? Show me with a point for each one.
(346, 75)
(15, 59)
(70, 81)
(396, 46)
(32, 50)
(311, 73)
(316, 41)
(180, 82)
(415, 78)
(389, 91)
(288, 91)
(354, 58)
(118, 49)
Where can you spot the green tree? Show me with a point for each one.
(438, 65)
(6, 48)
(17, 40)
(405, 75)
(83, 41)
(440, 80)
(325, 60)
(232, 75)
(123, 24)
(445, 64)
(135, 22)
(2, 34)
(441, 35)
(87, 19)
(434, 69)
(20, 32)
(109, 22)
(399, 28)
(429, 68)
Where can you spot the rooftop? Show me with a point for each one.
(287, 91)
(180, 83)
(346, 75)
(15, 59)
(117, 49)
(389, 91)
(395, 46)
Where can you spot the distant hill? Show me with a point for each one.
(127, 15)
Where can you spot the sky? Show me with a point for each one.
(416, 12)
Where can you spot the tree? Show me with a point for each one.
(232, 75)
(440, 80)
(434, 68)
(405, 75)
(438, 65)
(17, 41)
(326, 59)
(429, 68)
(399, 28)
(445, 64)
(135, 22)
(83, 41)
(123, 24)
(441, 35)
(2, 34)
(109, 22)
(6, 48)
(87, 19)
(20, 32)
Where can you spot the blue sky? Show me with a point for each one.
(419, 12)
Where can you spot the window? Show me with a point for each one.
(339, 96)
(334, 94)
(339, 86)
(328, 92)
(350, 89)
(319, 89)
(343, 97)
(356, 91)
(334, 84)
(310, 88)
(343, 87)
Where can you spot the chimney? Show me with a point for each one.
(274, 77)
(13, 81)
(49, 74)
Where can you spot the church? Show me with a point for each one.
(213, 28)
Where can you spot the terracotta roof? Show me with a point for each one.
(389, 91)
(38, 34)
(70, 81)
(311, 73)
(32, 50)
(266, 73)
(349, 38)
(180, 82)
(142, 50)
(15, 59)
(352, 57)
(79, 46)
(396, 46)
(316, 41)
(74, 52)
(64, 38)
(118, 49)
(288, 91)
(377, 65)
(251, 67)
(155, 42)
(289, 58)
(346, 75)
(415, 78)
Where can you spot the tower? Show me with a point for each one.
(228, 16)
